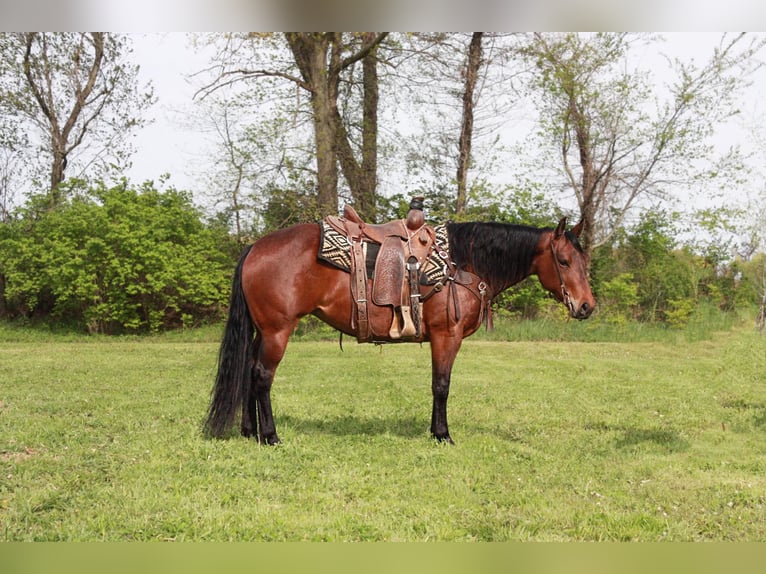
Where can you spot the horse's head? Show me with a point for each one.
(562, 267)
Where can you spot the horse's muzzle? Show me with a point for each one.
(583, 312)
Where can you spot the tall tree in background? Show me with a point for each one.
(614, 149)
(470, 77)
(236, 158)
(80, 95)
(361, 174)
(255, 161)
(458, 91)
(323, 61)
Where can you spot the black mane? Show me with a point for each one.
(500, 253)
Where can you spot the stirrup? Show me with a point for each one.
(409, 329)
(395, 332)
(404, 327)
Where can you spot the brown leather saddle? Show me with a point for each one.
(394, 287)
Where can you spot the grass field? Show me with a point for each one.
(650, 441)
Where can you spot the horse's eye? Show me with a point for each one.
(563, 263)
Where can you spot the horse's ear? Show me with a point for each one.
(577, 229)
(562, 226)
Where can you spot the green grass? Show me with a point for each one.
(99, 440)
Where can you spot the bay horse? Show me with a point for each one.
(279, 279)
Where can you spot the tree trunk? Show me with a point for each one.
(588, 207)
(588, 198)
(58, 166)
(310, 53)
(466, 131)
(362, 176)
(369, 179)
(327, 164)
(236, 206)
(333, 145)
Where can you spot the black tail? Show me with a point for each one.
(234, 360)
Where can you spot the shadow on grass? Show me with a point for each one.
(351, 425)
(348, 425)
(669, 440)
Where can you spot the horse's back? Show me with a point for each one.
(293, 238)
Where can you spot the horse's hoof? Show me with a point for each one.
(270, 440)
(445, 439)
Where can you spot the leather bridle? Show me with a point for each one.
(566, 296)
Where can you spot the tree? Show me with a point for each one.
(459, 90)
(319, 63)
(260, 134)
(757, 229)
(231, 168)
(361, 174)
(79, 95)
(236, 159)
(470, 74)
(614, 149)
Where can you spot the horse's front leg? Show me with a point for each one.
(443, 352)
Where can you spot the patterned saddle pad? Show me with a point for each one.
(335, 249)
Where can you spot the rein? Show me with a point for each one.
(567, 298)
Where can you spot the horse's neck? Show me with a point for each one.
(510, 282)
(501, 284)
(503, 266)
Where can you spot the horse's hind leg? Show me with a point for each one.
(249, 426)
(269, 350)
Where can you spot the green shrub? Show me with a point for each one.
(618, 298)
(115, 259)
(678, 312)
